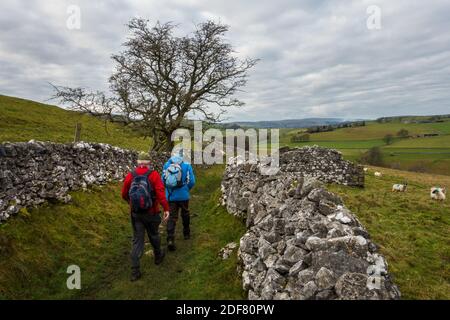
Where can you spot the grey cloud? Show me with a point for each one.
(317, 57)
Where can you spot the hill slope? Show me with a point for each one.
(425, 154)
(23, 120)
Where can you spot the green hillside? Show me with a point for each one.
(374, 130)
(23, 120)
(94, 231)
(416, 153)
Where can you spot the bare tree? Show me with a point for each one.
(160, 78)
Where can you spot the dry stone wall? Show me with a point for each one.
(33, 172)
(326, 165)
(302, 242)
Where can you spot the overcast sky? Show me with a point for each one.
(318, 58)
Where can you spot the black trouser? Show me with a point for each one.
(142, 223)
(175, 207)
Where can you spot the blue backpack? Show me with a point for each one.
(141, 193)
(173, 176)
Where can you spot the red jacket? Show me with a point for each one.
(158, 187)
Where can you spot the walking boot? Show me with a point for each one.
(160, 257)
(135, 275)
(171, 245)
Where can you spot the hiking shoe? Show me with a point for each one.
(135, 275)
(159, 258)
(171, 245)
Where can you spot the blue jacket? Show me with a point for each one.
(182, 193)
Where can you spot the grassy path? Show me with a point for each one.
(194, 270)
(94, 232)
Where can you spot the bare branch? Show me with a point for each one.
(160, 79)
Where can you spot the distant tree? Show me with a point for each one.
(373, 156)
(161, 78)
(434, 118)
(403, 133)
(388, 139)
(233, 126)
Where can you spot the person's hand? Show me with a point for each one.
(166, 216)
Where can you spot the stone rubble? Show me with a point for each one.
(302, 242)
(226, 251)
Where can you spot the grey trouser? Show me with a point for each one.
(142, 223)
(175, 207)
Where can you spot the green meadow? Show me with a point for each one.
(424, 154)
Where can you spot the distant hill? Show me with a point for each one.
(315, 122)
(291, 123)
(415, 119)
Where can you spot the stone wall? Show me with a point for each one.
(158, 159)
(302, 242)
(326, 165)
(33, 172)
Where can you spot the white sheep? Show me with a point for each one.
(437, 193)
(377, 174)
(399, 187)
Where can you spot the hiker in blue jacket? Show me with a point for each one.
(178, 177)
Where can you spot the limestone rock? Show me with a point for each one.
(226, 251)
(301, 241)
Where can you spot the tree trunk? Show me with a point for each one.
(162, 143)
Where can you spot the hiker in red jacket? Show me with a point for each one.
(144, 191)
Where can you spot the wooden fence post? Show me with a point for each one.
(77, 132)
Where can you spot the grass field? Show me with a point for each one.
(23, 120)
(374, 130)
(94, 233)
(411, 229)
(427, 154)
(441, 142)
